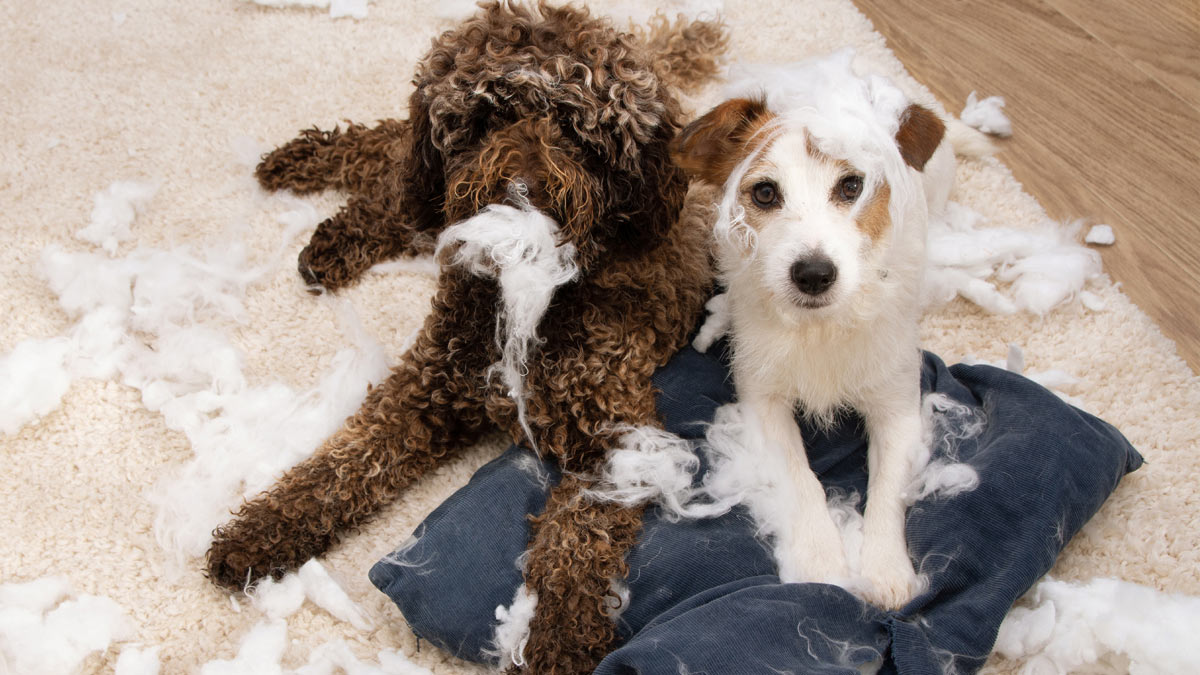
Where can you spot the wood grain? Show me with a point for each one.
(1095, 135)
(1161, 39)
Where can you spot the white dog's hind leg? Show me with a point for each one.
(893, 433)
(808, 545)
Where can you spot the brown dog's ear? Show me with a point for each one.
(710, 147)
(920, 134)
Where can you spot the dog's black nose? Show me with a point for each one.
(814, 274)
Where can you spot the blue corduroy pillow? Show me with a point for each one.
(703, 593)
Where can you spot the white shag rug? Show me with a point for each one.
(160, 356)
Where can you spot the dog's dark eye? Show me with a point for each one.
(764, 194)
(849, 188)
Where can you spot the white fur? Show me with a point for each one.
(519, 247)
(740, 472)
(859, 349)
(716, 325)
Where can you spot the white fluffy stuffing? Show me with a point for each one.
(1044, 267)
(1060, 383)
(38, 637)
(519, 247)
(260, 652)
(113, 212)
(986, 115)
(1102, 626)
(945, 423)
(648, 464)
(512, 631)
(1101, 234)
(337, 8)
(323, 590)
(33, 379)
(36, 596)
(843, 507)
(136, 660)
(277, 599)
(243, 437)
(157, 320)
(355, 9)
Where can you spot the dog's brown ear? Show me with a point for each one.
(920, 134)
(709, 148)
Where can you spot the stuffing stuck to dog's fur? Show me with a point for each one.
(536, 148)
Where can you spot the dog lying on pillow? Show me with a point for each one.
(535, 162)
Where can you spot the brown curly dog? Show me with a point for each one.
(577, 117)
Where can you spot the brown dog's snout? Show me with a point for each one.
(814, 274)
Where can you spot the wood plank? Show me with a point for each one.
(1161, 39)
(1094, 135)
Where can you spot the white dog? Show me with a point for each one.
(829, 179)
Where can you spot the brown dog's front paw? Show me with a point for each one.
(323, 263)
(232, 566)
(257, 544)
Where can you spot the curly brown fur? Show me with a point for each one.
(689, 52)
(578, 115)
(578, 548)
(370, 164)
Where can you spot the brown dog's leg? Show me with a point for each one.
(578, 546)
(351, 160)
(430, 407)
(368, 230)
(377, 223)
(578, 550)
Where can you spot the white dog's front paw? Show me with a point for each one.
(891, 579)
(816, 564)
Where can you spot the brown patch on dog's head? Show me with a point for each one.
(919, 135)
(875, 218)
(709, 148)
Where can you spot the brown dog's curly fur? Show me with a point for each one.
(582, 116)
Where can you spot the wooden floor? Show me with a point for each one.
(1104, 98)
